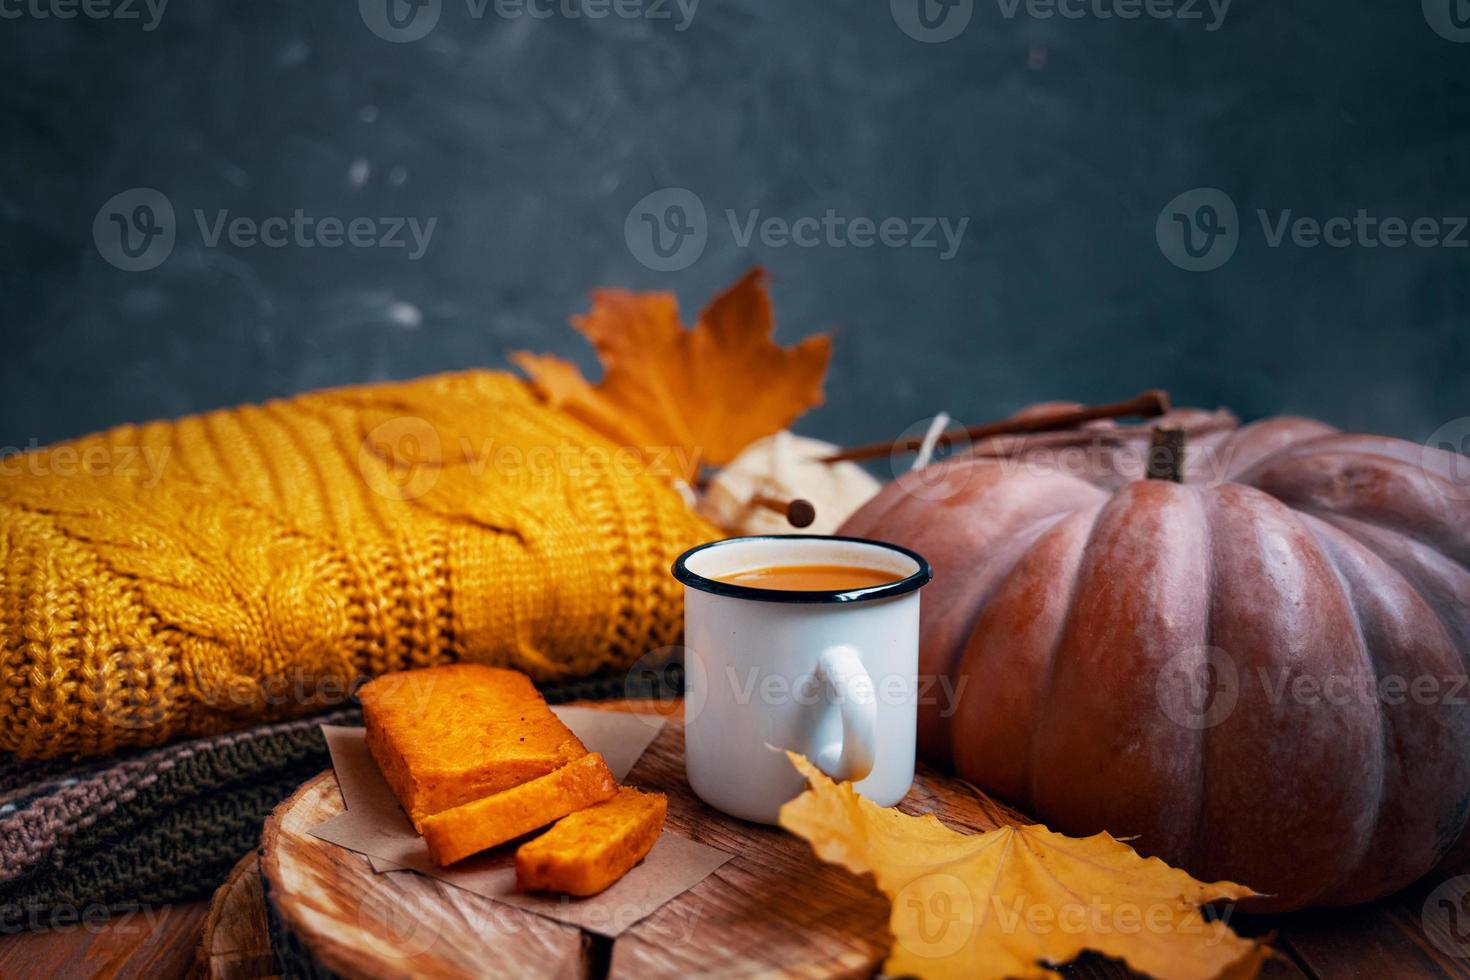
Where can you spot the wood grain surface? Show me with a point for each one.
(1382, 941)
(400, 923)
(773, 907)
(772, 910)
(156, 943)
(236, 943)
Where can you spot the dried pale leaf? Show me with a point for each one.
(708, 392)
(785, 466)
(1008, 902)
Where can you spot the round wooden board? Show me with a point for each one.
(236, 943)
(774, 908)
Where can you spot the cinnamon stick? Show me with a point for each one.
(1150, 404)
(798, 512)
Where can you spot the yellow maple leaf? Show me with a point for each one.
(1008, 902)
(705, 393)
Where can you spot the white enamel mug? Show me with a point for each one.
(830, 675)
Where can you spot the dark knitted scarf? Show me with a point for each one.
(147, 828)
(162, 825)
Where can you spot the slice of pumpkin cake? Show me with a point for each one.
(453, 835)
(592, 848)
(443, 736)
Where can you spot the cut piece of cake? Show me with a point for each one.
(443, 736)
(469, 829)
(592, 848)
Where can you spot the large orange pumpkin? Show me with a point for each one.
(1259, 672)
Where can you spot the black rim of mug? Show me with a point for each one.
(887, 590)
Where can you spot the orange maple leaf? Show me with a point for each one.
(706, 393)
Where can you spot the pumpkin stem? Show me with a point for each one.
(1166, 454)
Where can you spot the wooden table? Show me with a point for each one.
(1381, 941)
(161, 947)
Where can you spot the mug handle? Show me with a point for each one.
(852, 758)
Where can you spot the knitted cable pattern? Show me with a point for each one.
(190, 577)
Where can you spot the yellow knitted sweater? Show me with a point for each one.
(186, 577)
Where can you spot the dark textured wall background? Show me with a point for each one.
(530, 140)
